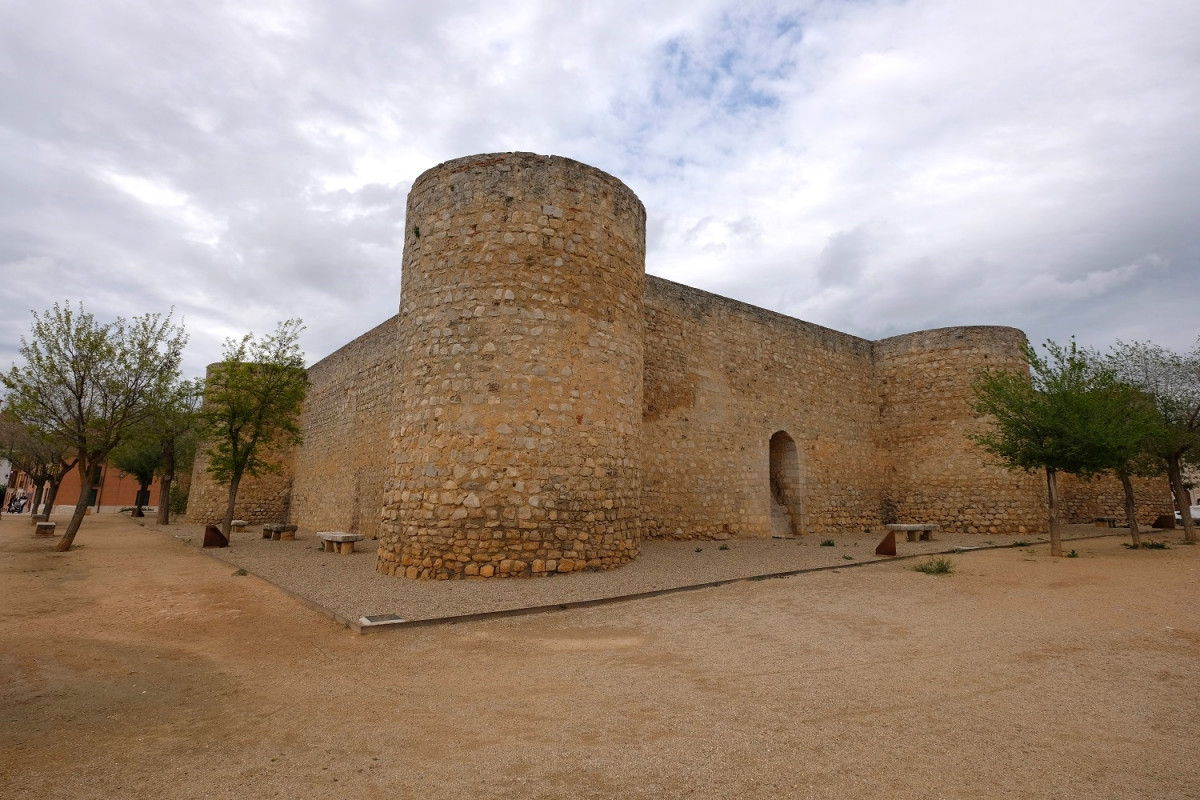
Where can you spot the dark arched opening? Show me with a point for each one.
(785, 487)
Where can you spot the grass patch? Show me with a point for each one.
(1155, 546)
(1020, 544)
(848, 557)
(828, 543)
(936, 566)
(1072, 554)
(699, 549)
(723, 547)
(240, 573)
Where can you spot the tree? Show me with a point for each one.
(251, 406)
(164, 438)
(140, 456)
(1067, 414)
(1172, 381)
(176, 420)
(44, 459)
(85, 384)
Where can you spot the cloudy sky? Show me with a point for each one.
(874, 166)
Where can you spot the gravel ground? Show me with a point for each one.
(349, 588)
(136, 667)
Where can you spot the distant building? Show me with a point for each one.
(110, 490)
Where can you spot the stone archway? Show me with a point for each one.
(786, 511)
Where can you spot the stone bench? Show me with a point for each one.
(924, 529)
(1105, 522)
(238, 526)
(339, 542)
(277, 531)
(44, 529)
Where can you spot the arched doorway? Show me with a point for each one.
(786, 518)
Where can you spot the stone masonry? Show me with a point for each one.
(540, 405)
(515, 447)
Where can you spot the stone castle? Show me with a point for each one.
(541, 405)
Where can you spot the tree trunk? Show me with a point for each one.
(1130, 508)
(163, 517)
(37, 497)
(1181, 505)
(143, 491)
(1055, 533)
(233, 490)
(164, 486)
(85, 484)
(51, 496)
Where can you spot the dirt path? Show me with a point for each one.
(139, 667)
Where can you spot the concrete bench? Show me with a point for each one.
(339, 542)
(277, 531)
(238, 525)
(44, 529)
(924, 529)
(1105, 522)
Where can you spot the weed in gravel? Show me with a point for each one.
(936, 566)
(1155, 546)
(723, 547)
(1020, 544)
(699, 549)
(1072, 554)
(240, 573)
(848, 557)
(828, 543)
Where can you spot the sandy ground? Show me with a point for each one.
(349, 587)
(137, 666)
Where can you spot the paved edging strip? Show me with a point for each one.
(373, 623)
(364, 625)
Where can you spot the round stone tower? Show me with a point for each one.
(515, 449)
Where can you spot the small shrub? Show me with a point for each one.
(699, 549)
(723, 547)
(936, 566)
(178, 500)
(239, 573)
(1072, 554)
(828, 543)
(848, 557)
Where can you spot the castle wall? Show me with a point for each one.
(721, 378)
(340, 469)
(539, 405)
(519, 391)
(1084, 500)
(932, 473)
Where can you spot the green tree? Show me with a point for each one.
(44, 459)
(252, 405)
(165, 438)
(1067, 414)
(140, 456)
(1172, 381)
(84, 383)
(176, 420)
